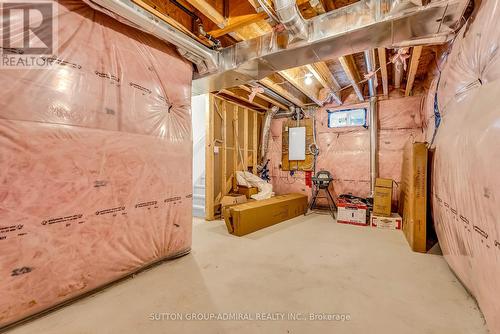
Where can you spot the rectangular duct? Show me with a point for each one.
(341, 32)
(351, 29)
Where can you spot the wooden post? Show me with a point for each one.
(323, 74)
(228, 129)
(245, 139)
(209, 160)
(382, 59)
(255, 141)
(415, 58)
(236, 143)
(224, 150)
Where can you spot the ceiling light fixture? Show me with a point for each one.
(308, 79)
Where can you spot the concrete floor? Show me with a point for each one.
(306, 265)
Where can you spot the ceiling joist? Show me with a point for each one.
(318, 6)
(168, 19)
(247, 26)
(382, 59)
(255, 4)
(239, 96)
(323, 74)
(256, 29)
(237, 22)
(296, 77)
(244, 23)
(281, 91)
(209, 11)
(351, 70)
(415, 58)
(265, 98)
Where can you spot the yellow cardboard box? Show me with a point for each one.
(382, 197)
(249, 217)
(413, 196)
(232, 199)
(247, 191)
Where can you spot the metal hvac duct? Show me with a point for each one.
(205, 59)
(355, 28)
(271, 114)
(370, 67)
(266, 129)
(289, 15)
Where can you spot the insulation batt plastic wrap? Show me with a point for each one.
(346, 152)
(95, 160)
(465, 178)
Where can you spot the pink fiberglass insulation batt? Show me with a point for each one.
(346, 152)
(465, 180)
(96, 163)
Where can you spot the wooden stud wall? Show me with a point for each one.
(231, 145)
(209, 159)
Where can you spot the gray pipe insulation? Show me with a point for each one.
(271, 114)
(266, 129)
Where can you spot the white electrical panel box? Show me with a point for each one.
(297, 143)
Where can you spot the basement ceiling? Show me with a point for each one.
(233, 21)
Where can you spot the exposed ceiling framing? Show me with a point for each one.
(264, 97)
(351, 70)
(209, 11)
(240, 94)
(415, 58)
(231, 21)
(383, 70)
(325, 77)
(234, 23)
(276, 87)
(296, 76)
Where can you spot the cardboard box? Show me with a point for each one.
(394, 222)
(351, 212)
(382, 197)
(232, 199)
(247, 191)
(249, 217)
(413, 195)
